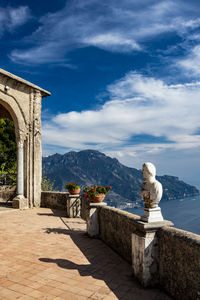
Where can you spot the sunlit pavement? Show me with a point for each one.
(5, 207)
(44, 255)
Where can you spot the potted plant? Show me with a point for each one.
(73, 188)
(96, 193)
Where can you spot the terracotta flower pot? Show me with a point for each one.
(98, 198)
(74, 191)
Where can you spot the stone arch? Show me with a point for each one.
(22, 100)
(10, 104)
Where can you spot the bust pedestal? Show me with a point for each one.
(152, 215)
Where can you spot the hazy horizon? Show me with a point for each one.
(139, 168)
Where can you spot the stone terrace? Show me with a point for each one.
(44, 255)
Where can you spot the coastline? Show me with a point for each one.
(183, 212)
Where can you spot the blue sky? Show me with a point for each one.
(124, 76)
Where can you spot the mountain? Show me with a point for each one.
(89, 167)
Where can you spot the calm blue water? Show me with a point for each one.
(184, 213)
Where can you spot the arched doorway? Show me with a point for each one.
(7, 112)
(8, 159)
(20, 101)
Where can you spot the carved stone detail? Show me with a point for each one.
(20, 144)
(37, 114)
(21, 136)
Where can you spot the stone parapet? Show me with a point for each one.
(116, 227)
(160, 254)
(52, 199)
(179, 263)
(62, 200)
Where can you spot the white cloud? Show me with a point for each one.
(121, 26)
(152, 108)
(41, 54)
(191, 63)
(11, 18)
(138, 106)
(113, 42)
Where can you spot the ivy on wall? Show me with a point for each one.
(8, 152)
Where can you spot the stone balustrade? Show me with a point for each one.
(179, 263)
(62, 200)
(160, 254)
(116, 227)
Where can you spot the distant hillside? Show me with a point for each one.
(91, 167)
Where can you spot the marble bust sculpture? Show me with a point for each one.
(151, 188)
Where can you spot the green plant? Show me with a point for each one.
(72, 186)
(8, 151)
(91, 192)
(46, 184)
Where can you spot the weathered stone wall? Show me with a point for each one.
(54, 199)
(179, 263)
(7, 193)
(70, 203)
(116, 227)
(175, 259)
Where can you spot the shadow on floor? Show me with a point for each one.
(6, 204)
(55, 213)
(104, 264)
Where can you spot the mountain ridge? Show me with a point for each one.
(89, 167)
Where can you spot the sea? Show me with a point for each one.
(184, 213)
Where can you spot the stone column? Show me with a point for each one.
(20, 170)
(145, 251)
(20, 201)
(92, 219)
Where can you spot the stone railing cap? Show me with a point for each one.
(74, 196)
(94, 204)
(145, 226)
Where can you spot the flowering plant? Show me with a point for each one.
(91, 192)
(72, 186)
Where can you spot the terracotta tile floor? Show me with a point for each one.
(4, 207)
(44, 255)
